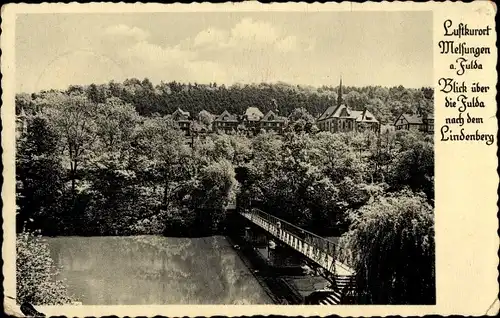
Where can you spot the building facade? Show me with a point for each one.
(250, 123)
(182, 118)
(272, 122)
(340, 118)
(226, 122)
(411, 122)
(251, 120)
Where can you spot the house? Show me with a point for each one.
(343, 119)
(411, 122)
(251, 119)
(182, 118)
(340, 118)
(428, 121)
(225, 122)
(271, 121)
(366, 121)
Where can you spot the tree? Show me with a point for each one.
(415, 168)
(301, 113)
(413, 163)
(94, 94)
(39, 164)
(206, 118)
(391, 245)
(356, 100)
(162, 158)
(380, 110)
(119, 172)
(24, 103)
(215, 189)
(74, 119)
(36, 273)
(110, 174)
(116, 122)
(242, 146)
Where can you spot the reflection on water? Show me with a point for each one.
(154, 270)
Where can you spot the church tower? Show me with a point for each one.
(339, 96)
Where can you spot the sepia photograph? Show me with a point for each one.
(224, 158)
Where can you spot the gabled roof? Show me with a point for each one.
(253, 113)
(180, 111)
(226, 117)
(180, 115)
(343, 111)
(327, 113)
(411, 119)
(365, 116)
(271, 116)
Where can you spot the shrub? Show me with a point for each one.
(36, 273)
(391, 246)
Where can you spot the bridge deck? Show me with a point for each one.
(314, 247)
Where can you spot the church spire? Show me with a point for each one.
(339, 97)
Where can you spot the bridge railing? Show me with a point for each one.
(315, 243)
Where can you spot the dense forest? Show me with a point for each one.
(104, 160)
(118, 167)
(385, 103)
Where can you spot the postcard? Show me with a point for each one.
(250, 159)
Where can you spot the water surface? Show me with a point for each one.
(154, 270)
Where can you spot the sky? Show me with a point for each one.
(302, 48)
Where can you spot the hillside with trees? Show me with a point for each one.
(118, 171)
(147, 99)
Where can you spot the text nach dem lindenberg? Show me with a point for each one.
(465, 97)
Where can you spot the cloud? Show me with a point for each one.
(247, 35)
(78, 68)
(154, 53)
(249, 30)
(250, 49)
(170, 63)
(122, 30)
(210, 37)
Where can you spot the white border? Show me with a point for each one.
(466, 178)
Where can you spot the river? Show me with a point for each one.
(156, 270)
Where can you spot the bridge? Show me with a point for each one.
(315, 248)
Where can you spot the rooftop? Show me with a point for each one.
(253, 113)
(271, 116)
(227, 117)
